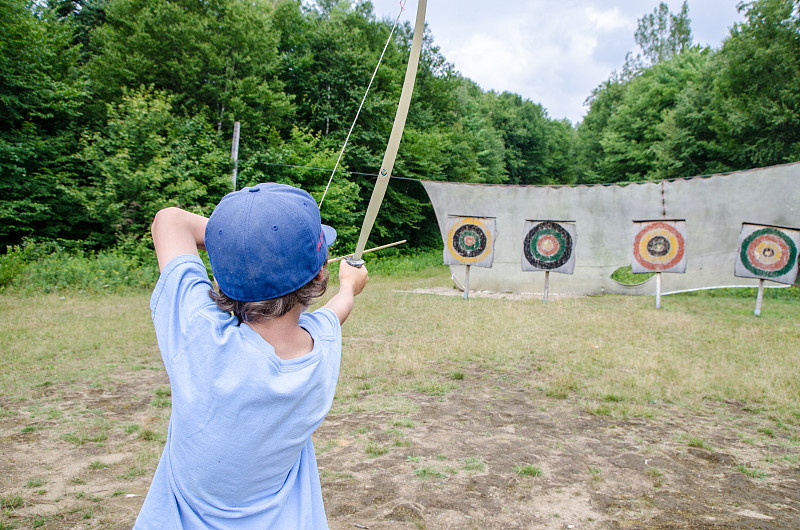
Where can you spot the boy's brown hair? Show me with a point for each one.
(275, 307)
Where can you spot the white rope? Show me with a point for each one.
(402, 7)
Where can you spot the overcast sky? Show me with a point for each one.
(553, 52)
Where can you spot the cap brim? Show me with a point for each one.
(329, 234)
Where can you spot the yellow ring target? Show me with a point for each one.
(458, 253)
(654, 235)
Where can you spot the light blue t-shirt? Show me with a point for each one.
(238, 452)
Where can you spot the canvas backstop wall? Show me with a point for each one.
(714, 208)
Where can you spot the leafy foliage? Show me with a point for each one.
(147, 159)
(756, 92)
(218, 58)
(661, 35)
(40, 98)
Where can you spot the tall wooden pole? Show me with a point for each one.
(760, 296)
(546, 286)
(658, 290)
(235, 153)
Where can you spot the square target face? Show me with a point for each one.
(767, 252)
(549, 246)
(470, 241)
(659, 246)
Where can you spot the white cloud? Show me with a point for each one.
(609, 19)
(553, 52)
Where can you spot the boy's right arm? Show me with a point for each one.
(351, 282)
(177, 232)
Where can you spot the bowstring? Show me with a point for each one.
(385, 46)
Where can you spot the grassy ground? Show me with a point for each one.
(616, 351)
(610, 356)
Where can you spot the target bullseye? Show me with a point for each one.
(768, 253)
(469, 240)
(659, 246)
(548, 246)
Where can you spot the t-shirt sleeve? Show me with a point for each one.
(328, 322)
(325, 326)
(180, 294)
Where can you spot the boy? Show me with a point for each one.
(248, 388)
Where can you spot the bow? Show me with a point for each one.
(394, 138)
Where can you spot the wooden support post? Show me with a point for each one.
(466, 284)
(759, 297)
(546, 286)
(658, 290)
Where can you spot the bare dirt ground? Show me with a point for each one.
(492, 453)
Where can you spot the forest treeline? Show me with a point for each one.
(112, 109)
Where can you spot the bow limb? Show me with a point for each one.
(394, 138)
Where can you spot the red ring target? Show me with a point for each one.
(547, 245)
(658, 246)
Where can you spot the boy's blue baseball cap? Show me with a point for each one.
(265, 241)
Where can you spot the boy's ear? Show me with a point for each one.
(321, 274)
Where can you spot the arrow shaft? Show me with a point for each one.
(369, 250)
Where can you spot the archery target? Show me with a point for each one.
(659, 246)
(470, 241)
(548, 246)
(768, 252)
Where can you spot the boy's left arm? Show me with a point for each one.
(351, 282)
(177, 232)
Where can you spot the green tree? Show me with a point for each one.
(146, 159)
(603, 104)
(328, 58)
(85, 15)
(619, 139)
(690, 143)
(560, 164)
(217, 57)
(633, 133)
(757, 91)
(535, 147)
(41, 94)
(660, 35)
(744, 111)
